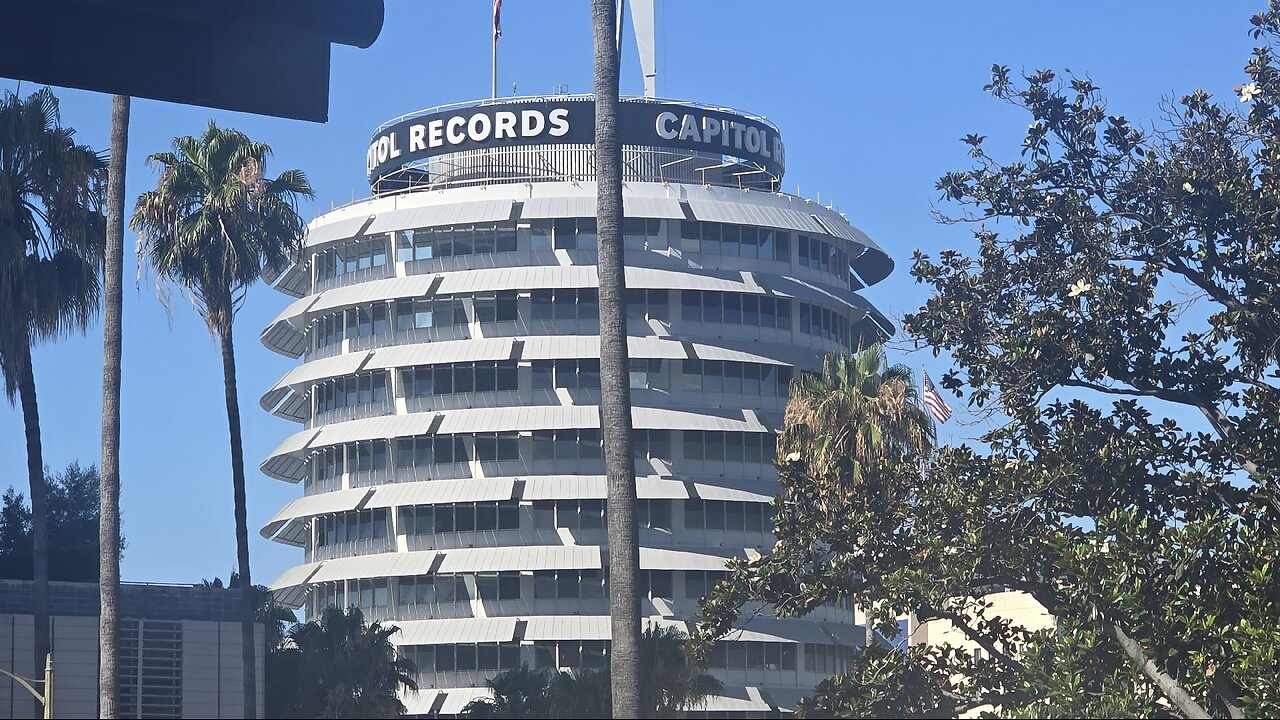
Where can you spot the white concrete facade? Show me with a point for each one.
(447, 401)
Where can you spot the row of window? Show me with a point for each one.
(586, 514)
(590, 513)
(710, 238)
(729, 446)
(578, 444)
(725, 376)
(824, 323)
(730, 308)
(460, 517)
(351, 526)
(350, 391)
(752, 379)
(593, 655)
(347, 259)
(708, 306)
(498, 586)
(821, 255)
(455, 241)
(488, 376)
(714, 238)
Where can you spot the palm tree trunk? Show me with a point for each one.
(615, 387)
(248, 602)
(39, 509)
(109, 494)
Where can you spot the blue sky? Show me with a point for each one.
(871, 100)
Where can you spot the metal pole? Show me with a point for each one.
(45, 699)
(493, 88)
(48, 687)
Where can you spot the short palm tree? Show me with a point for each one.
(346, 669)
(211, 227)
(520, 693)
(51, 242)
(671, 681)
(857, 413)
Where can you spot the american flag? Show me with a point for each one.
(497, 19)
(933, 401)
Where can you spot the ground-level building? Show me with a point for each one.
(180, 650)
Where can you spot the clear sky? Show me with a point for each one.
(871, 99)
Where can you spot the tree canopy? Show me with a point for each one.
(340, 667)
(73, 528)
(1117, 324)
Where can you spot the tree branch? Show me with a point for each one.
(974, 635)
(1133, 649)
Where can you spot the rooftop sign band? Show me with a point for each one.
(572, 122)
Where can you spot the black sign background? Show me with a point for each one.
(637, 125)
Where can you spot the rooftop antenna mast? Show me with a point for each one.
(642, 20)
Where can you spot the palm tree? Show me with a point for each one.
(615, 387)
(671, 681)
(211, 227)
(109, 489)
(346, 669)
(856, 413)
(51, 236)
(520, 693)
(848, 420)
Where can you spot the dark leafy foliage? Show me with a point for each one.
(73, 528)
(671, 682)
(339, 667)
(1119, 324)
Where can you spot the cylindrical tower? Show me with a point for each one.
(449, 449)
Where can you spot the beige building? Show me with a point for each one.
(1018, 607)
(180, 651)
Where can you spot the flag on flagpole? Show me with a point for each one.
(497, 19)
(937, 407)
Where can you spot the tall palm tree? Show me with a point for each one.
(51, 236)
(109, 489)
(347, 669)
(615, 387)
(211, 227)
(858, 412)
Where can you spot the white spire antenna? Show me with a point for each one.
(642, 21)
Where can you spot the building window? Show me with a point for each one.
(454, 241)
(742, 447)
(582, 444)
(431, 590)
(431, 380)
(351, 526)
(150, 681)
(735, 308)
(656, 584)
(712, 238)
(497, 447)
(566, 304)
(482, 516)
(481, 657)
(571, 654)
(648, 304)
(427, 450)
(827, 659)
(751, 655)
(581, 373)
(698, 584)
(429, 312)
(349, 258)
(642, 233)
(350, 391)
(498, 586)
(722, 376)
(720, 515)
(569, 584)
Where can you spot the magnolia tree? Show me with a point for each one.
(1118, 318)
